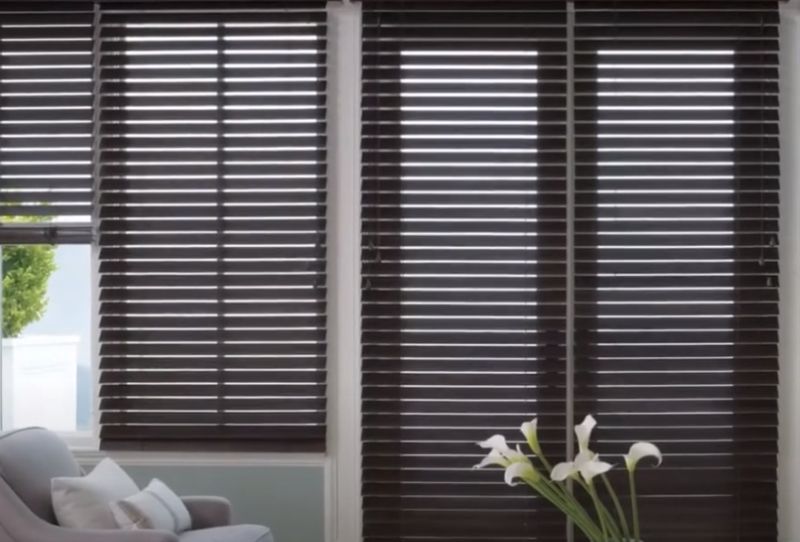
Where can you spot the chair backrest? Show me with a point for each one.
(29, 459)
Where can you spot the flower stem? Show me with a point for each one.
(575, 504)
(612, 525)
(620, 512)
(634, 506)
(573, 510)
(599, 509)
(603, 511)
(540, 454)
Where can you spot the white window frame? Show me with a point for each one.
(789, 322)
(343, 499)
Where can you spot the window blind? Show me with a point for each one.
(463, 314)
(45, 122)
(675, 279)
(212, 225)
(676, 257)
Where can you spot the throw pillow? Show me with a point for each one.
(83, 502)
(155, 507)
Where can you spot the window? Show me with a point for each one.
(47, 349)
(533, 253)
(212, 227)
(45, 199)
(192, 142)
(676, 263)
(464, 260)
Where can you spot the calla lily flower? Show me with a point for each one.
(583, 432)
(590, 469)
(529, 431)
(587, 464)
(500, 453)
(492, 458)
(606, 524)
(640, 450)
(495, 442)
(563, 470)
(521, 470)
(567, 469)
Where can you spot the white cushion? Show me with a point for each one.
(155, 507)
(83, 502)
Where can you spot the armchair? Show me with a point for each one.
(30, 458)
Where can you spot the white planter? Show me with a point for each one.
(39, 382)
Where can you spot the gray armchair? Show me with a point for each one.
(30, 458)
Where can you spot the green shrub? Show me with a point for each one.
(26, 273)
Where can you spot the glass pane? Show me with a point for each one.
(46, 334)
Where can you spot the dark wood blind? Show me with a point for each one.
(45, 121)
(463, 310)
(675, 314)
(212, 197)
(676, 257)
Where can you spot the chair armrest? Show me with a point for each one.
(208, 512)
(61, 534)
(19, 524)
(44, 532)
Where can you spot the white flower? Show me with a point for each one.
(492, 458)
(495, 442)
(516, 456)
(523, 470)
(563, 470)
(587, 464)
(500, 453)
(640, 450)
(529, 431)
(583, 432)
(590, 469)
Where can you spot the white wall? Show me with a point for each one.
(789, 403)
